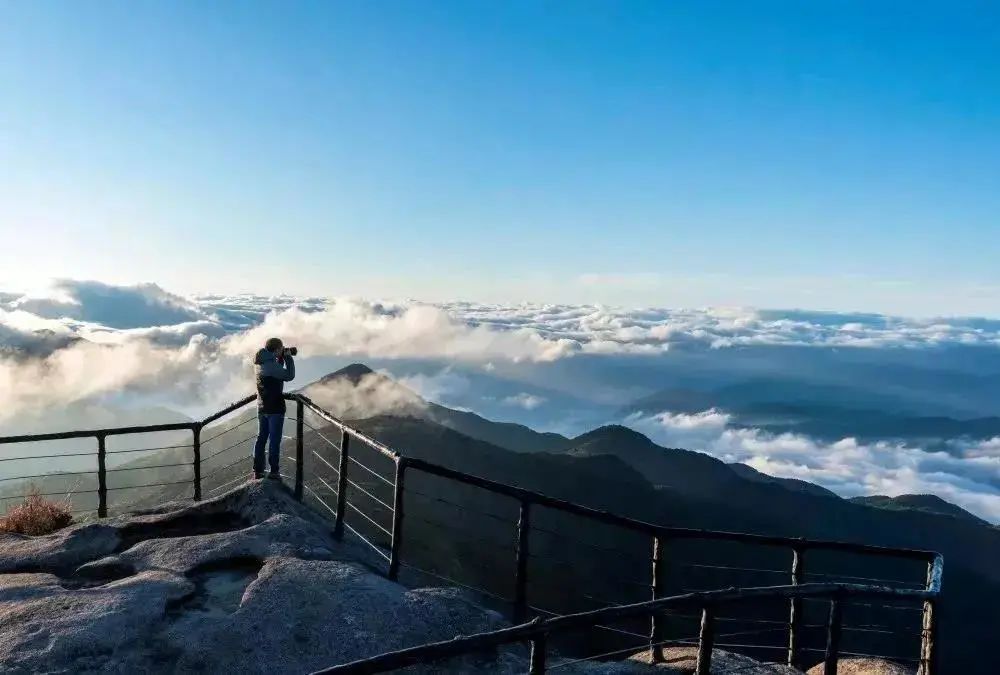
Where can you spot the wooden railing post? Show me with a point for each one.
(706, 641)
(537, 666)
(795, 611)
(299, 461)
(928, 631)
(521, 570)
(196, 446)
(656, 621)
(345, 448)
(102, 477)
(833, 636)
(397, 518)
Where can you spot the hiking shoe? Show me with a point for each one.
(274, 475)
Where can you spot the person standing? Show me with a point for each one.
(273, 366)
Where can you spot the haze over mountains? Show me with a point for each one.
(860, 405)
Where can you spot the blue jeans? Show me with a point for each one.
(269, 428)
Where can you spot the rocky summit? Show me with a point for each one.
(249, 582)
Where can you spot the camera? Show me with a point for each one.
(290, 351)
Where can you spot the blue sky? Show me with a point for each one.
(825, 155)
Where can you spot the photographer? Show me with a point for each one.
(274, 366)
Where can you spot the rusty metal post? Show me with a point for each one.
(537, 666)
(656, 621)
(345, 448)
(928, 631)
(706, 640)
(196, 446)
(102, 478)
(521, 571)
(795, 611)
(833, 636)
(397, 519)
(299, 460)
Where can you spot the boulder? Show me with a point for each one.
(684, 659)
(865, 666)
(249, 582)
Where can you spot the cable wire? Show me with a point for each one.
(367, 517)
(328, 486)
(410, 491)
(320, 458)
(233, 428)
(223, 468)
(154, 466)
(226, 449)
(358, 487)
(372, 471)
(738, 569)
(162, 447)
(604, 549)
(149, 485)
(89, 453)
(455, 582)
(374, 547)
(225, 485)
(472, 540)
(48, 475)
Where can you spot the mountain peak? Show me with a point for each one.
(925, 503)
(354, 372)
(613, 432)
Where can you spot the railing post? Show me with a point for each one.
(102, 478)
(706, 640)
(537, 666)
(928, 631)
(299, 469)
(196, 445)
(656, 621)
(345, 445)
(397, 518)
(833, 636)
(795, 611)
(521, 571)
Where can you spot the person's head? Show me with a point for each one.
(274, 345)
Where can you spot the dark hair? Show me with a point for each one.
(273, 344)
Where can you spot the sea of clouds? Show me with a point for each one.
(81, 344)
(967, 474)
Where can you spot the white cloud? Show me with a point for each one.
(602, 329)
(82, 343)
(524, 400)
(357, 328)
(436, 386)
(138, 306)
(969, 475)
(372, 394)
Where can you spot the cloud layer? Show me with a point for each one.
(614, 330)
(968, 475)
(87, 343)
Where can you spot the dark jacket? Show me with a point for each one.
(271, 378)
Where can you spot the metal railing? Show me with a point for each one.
(536, 632)
(102, 452)
(660, 538)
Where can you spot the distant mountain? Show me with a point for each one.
(616, 469)
(825, 412)
(750, 473)
(924, 503)
(373, 393)
(681, 470)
